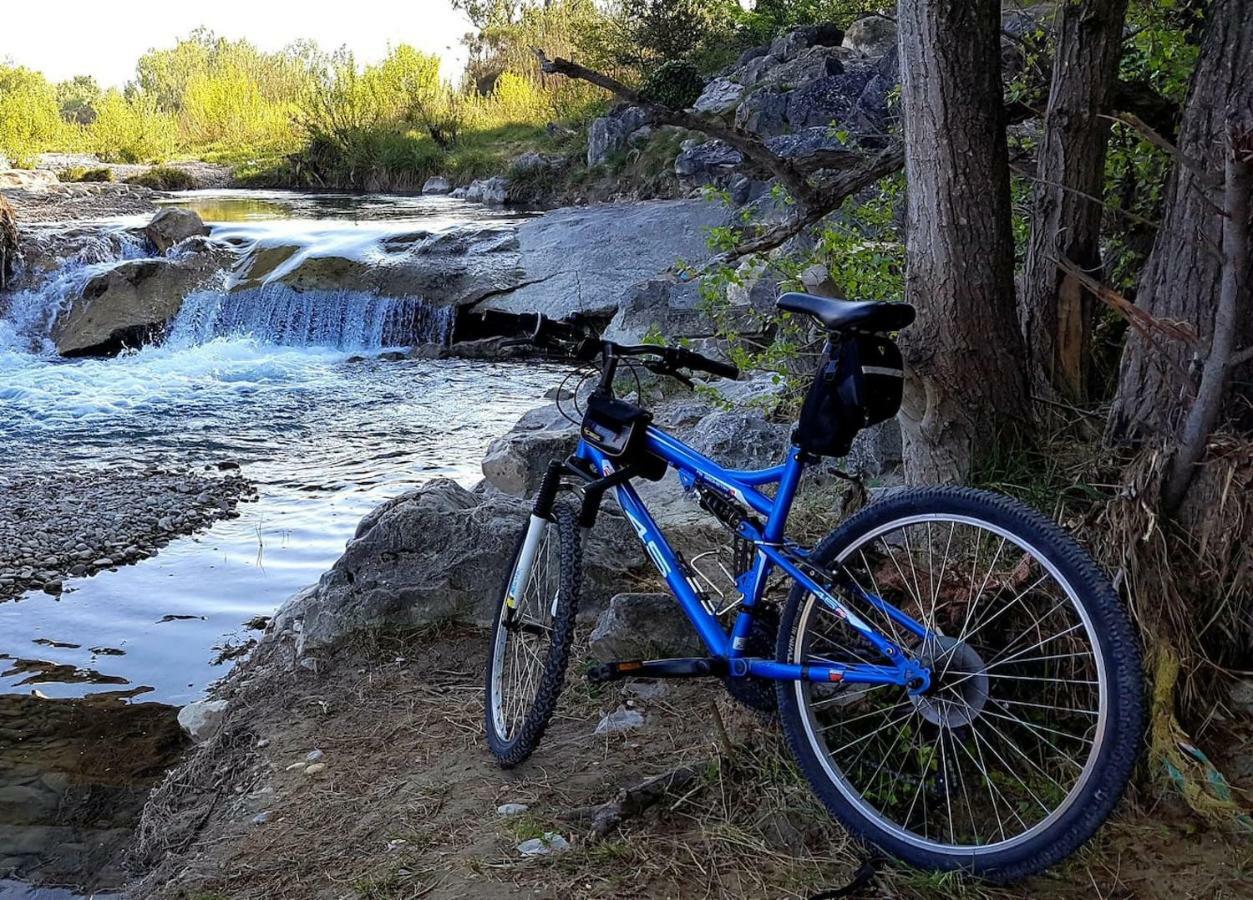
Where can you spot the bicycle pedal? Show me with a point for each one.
(602, 673)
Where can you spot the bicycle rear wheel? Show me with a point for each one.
(530, 649)
(1028, 734)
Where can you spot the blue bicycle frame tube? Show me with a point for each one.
(694, 469)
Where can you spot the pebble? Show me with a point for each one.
(263, 743)
(261, 818)
(511, 809)
(313, 756)
(74, 524)
(621, 719)
(551, 842)
(316, 769)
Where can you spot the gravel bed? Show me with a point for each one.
(68, 525)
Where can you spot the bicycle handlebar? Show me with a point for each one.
(568, 337)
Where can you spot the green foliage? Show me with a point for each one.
(132, 130)
(78, 98)
(30, 119)
(768, 18)
(82, 173)
(164, 178)
(674, 83)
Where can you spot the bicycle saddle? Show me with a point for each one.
(865, 315)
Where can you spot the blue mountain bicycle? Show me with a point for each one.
(956, 679)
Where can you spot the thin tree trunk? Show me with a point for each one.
(1182, 280)
(966, 386)
(1056, 311)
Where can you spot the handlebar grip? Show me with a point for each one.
(689, 359)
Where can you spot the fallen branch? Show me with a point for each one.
(631, 801)
(1146, 325)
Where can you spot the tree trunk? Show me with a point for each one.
(965, 390)
(1181, 281)
(1056, 311)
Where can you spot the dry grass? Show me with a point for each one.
(406, 806)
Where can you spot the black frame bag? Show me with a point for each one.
(617, 429)
(859, 383)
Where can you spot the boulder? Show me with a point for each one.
(493, 191)
(437, 184)
(27, 179)
(131, 302)
(202, 719)
(607, 135)
(172, 225)
(788, 45)
(643, 626)
(8, 242)
(872, 36)
(516, 463)
(707, 162)
(571, 261)
(720, 96)
(440, 553)
(740, 439)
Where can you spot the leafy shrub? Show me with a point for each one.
(82, 173)
(132, 130)
(675, 83)
(30, 120)
(164, 178)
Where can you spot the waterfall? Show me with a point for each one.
(341, 319)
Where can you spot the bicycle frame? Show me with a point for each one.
(771, 550)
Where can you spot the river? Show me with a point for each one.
(290, 387)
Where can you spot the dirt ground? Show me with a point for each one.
(406, 806)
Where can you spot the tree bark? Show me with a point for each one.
(1182, 279)
(1055, 310)
(965, 390)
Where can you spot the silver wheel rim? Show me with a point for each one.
(946, 746)
(518, 657)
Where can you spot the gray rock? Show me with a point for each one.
(876, 451)
(871, 36)
(643, 626)
(620, 720)
(741, 439)
(440, 553)
(1242, 696)
(764, 112)
(542, 846)
(516, 463)
(437, 184)
(172, 225)
(802, 38)
(607, 135)
(719, 97)
(493, 191)
(511, 809)
(707, 162)
(131, 301)
(202, 719)
(570, 262)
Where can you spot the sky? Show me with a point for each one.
(86, 37)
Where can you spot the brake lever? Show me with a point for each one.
(662, 369)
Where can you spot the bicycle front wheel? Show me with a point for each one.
(1028, 733)
(531, 637)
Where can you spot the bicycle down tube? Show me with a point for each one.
(695, 469)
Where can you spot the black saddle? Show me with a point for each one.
(862, 315)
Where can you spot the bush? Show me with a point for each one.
(82, 173)
(675, 84)
(164, 178)
(132, 131)
(30, 119)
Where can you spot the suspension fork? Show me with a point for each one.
(541, 516)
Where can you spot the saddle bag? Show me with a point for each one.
(859, 383)
(618, 429)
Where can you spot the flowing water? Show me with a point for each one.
(288, 385)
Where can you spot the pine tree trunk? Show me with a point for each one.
(1181, 281)
(965, 391)
(1056, 312)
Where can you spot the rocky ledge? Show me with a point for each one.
(54, 526)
